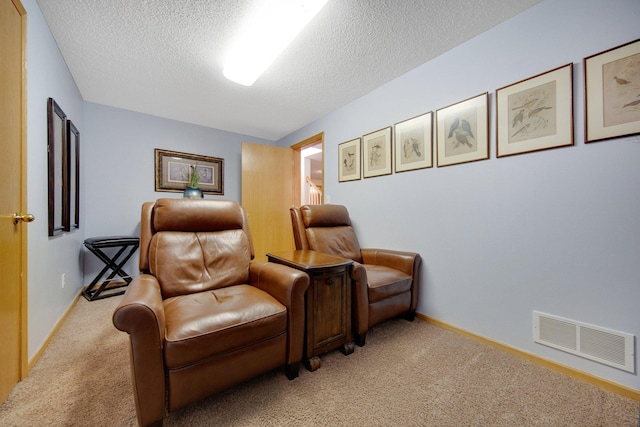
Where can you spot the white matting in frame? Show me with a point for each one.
(414, 143)
(462, 131)
(536, 113)
(349, 160)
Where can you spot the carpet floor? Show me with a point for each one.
(408, 374)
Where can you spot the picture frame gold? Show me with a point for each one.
(349, 160)
(173, 171)
(535, 113)
(612, 92)
(462, 131)
(376, 149)
(413, 140)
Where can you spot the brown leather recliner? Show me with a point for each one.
(385, 282)
(201, 315)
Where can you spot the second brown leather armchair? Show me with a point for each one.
(385, 282)
(201, 316)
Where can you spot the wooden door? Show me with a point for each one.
(13, 239)
(267, 195)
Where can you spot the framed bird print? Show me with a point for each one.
(349, 160)
(612, 92)
(462, 131)
(413, 143)
(535, 113)
(376, 147)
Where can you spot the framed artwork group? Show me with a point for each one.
(374, 151)
(531, 115)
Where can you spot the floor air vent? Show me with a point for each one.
(592, 342)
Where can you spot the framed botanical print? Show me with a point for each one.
(462, 131)
(536, 113)
(413, 143)
(612, 92)
(376, 147)
(349, 160)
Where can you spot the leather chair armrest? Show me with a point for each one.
(288, 286)
(407, 262)
(141, 307)
(359, 298)
(141, 314)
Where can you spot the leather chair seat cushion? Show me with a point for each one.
(205, 324)
(385, 282)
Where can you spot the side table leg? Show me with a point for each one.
(313, 363)
(347, 348)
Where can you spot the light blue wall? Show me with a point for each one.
(556, 231)
(49, 257)
(119, 166)
(117, 176)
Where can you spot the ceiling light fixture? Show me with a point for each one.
(271, 28)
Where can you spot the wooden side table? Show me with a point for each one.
(328, 302)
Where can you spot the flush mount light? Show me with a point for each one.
(271, 27)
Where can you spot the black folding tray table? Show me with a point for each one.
(114, 261)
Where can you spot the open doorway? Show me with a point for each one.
(311, 175)
(309, 171)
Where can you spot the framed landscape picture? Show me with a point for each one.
(349, 160)
(173, 170)
(377, 153)
(462, 131)
(612, 92)
(535, 113)
(413, 143)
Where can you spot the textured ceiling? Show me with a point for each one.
(164, 57)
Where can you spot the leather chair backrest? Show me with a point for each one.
(146, 233)
(196, 245)
(327, 228)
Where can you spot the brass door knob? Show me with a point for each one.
(23, 218)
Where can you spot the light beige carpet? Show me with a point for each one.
(408, 374)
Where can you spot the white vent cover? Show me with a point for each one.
(592, 342)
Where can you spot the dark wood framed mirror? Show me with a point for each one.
(57, 168)
(73, 146)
